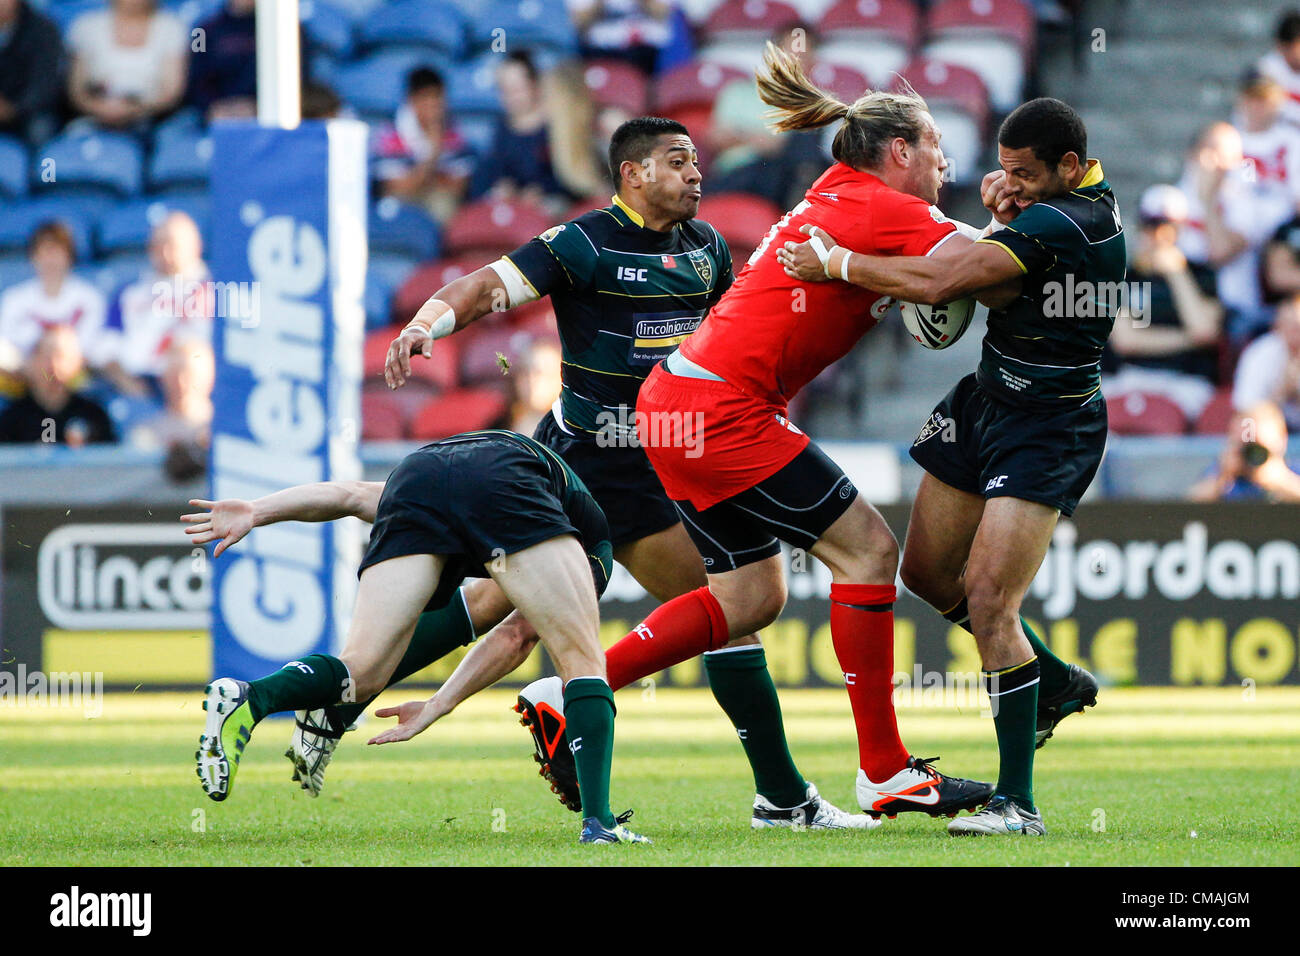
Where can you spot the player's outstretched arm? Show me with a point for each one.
(229, 520)
(500, 651)
(931, 280)
(496, 287)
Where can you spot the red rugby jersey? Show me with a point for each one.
(770, 335)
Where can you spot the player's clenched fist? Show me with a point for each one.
(997, 198)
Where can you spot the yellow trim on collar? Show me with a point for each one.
(1093, 177)
(631, 213)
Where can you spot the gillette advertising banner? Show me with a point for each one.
(289, 227)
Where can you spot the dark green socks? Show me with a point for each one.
(1056, 673)
(589, 720)
(437, 634)
(1013, 695)
(315, 681)
(743, 687)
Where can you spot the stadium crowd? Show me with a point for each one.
(488, 124)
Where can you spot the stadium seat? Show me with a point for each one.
(110, 275)
(422, 23)
(480, 346)
(472, 88)
(376, 85)
(742, 220)
(959, 103)
(875, 36)
(895, 20)
(180, 159)
(377, 301)
(845, 82)
(13, 167)
(694, 84)
(995, 38)
(618, 84)
(328, 29)
(64, 12)
(427, 279)
(383, 414)
(1216, 414)
(126, 228)
(97, 162)
(524, 25)
(80, 213)
(750, 21)
(403, 229)
(1146, 413)
(14, 268)
(464, 409)
(193, 12)
(492, 227)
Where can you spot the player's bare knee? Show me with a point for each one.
(992, 606)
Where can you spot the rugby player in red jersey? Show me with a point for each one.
(713, 420)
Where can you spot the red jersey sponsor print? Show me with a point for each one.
(771, 335)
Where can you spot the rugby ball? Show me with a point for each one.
(938, 326)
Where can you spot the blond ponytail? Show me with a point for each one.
(870, 124)
(796, 103)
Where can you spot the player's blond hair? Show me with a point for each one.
(870, 123)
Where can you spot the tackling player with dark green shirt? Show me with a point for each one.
(628, 283)
(1015, 444)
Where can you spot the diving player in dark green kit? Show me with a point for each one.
(629, 283)
(1015, 444)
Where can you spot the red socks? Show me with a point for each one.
(862, 630)
(685, 627)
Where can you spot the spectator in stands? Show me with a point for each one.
(186, 418)
(1235, 207)
(128, 63)
(52, 410)
(1253, 463)
(537, 384)
(1166, 338)
(1283, 63)
(421, 157)
(540, 147)
(223, 74)
(750, 157)
(54, 296)
(1269, 368)
(172, 300)
(31, 81)
(630, 30)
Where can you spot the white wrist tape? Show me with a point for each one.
(844, 265)
(518, 291)
(823, 254)
(967, 230)
(443, 325)
(992, 227)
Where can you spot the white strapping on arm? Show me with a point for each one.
(518, 291)
(443, 325)
(967, 230)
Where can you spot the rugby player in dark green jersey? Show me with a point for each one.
(628, 283)
(1015, 444)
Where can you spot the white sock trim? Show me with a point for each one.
(732, 650)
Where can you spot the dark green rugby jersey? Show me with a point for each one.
(625, 297)
(1044, 349)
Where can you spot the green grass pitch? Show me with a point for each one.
(1169, 777)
